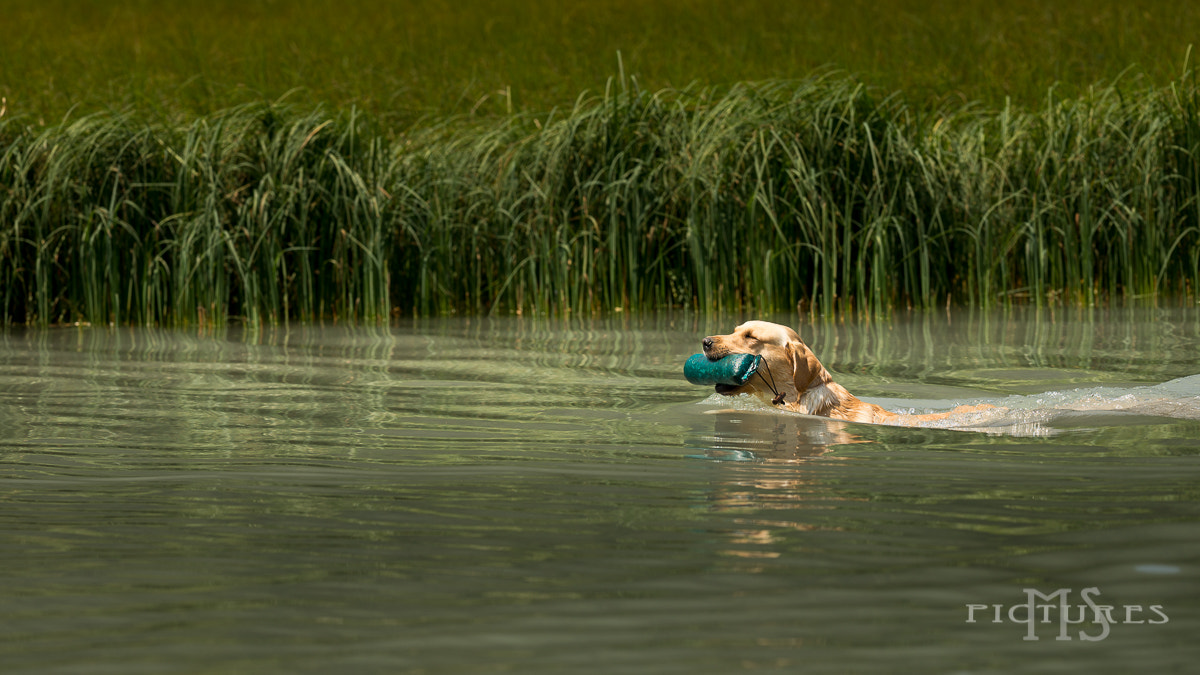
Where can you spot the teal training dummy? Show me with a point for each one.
(734, 369)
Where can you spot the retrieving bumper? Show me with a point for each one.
(734, 369)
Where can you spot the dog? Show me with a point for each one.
(796, 380)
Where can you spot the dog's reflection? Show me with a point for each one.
(771, 488)
(772, 437)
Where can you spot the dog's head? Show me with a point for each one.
(791, 368)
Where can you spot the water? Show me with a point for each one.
(539, 496)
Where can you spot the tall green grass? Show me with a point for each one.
(822, 192)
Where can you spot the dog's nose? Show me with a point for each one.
(707, 342)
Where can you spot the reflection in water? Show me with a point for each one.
(936, 356)
(778, 495)
(772, 436)
(458, 495)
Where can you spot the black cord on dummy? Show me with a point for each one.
(778, 400)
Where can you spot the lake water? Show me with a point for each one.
(551, 496)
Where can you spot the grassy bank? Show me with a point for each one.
(406, 60)
(820, 192)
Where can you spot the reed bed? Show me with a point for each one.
(821, 193)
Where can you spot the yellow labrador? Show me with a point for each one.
(796, 380)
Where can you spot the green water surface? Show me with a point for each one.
(551, 496)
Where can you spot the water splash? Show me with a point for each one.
(1054, 412)
(1045, 414)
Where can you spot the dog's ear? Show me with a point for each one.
(791, 340)
(807, 371)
